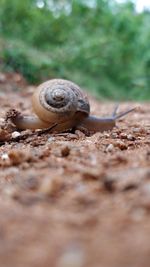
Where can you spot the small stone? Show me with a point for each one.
(79, 134)
(130, 137)
(15, 134)
(114, 135)
(65, 151)
(123, 135)
(136, 130)
(140, 130)
(51, 139)
(4, 156)
(107, 135)
(110, 148)
(121, 145)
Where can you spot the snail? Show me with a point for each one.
(61, 105)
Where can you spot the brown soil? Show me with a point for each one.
(71, 200)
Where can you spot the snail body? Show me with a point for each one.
(62, 104)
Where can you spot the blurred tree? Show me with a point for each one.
(100, 44)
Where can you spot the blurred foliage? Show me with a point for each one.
(102, 45)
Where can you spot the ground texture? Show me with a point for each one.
(72, 200)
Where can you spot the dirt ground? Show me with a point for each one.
(71, 200)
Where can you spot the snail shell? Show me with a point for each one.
(59, 100)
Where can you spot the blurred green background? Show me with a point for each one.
(101, 45)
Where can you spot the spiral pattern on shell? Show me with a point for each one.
(59, 100)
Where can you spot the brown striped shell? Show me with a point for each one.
(60, 100)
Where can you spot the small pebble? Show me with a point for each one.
(109, 148)
(65, 151)
(114, 135)
(121, 145)
(107, 135)
(140, 130)
(15, 134)
(136, 130)
(4, 156)
(123, 135)
(79, 134)
(51, 139)
(130, 137)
